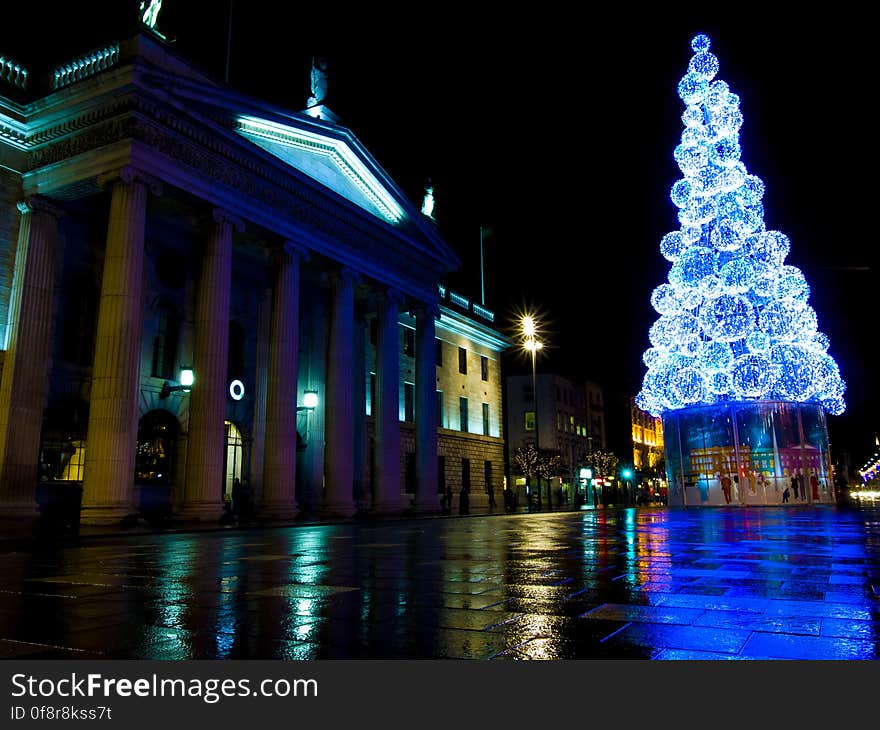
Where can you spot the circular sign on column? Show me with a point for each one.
(236, 390)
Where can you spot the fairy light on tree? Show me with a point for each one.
(735, 323)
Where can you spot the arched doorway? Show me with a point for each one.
(155, 461)
(157, 442)
(234, 458)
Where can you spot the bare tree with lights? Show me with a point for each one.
(549, 463)
(526, 459)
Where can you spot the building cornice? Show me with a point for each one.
(464, 326)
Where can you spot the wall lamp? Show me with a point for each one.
(310, 401)
(187, 378)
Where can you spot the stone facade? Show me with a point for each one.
(203, 240)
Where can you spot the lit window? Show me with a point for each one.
(409, 391)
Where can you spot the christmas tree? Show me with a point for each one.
(735, 320)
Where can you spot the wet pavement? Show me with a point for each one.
(636, 583)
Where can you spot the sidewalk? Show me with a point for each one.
(41, 531)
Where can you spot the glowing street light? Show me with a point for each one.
(310, 401)
(185, 383)
(532, 345)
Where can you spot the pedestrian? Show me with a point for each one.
(794, 485)
(447, 507)
(785, 495)
(491, 489)
(802, 482)
(814, 483)
(725, 487)
(463, 501)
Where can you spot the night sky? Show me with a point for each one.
(555, 126)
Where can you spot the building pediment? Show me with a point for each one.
(328, 160)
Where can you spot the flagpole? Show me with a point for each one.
(228, 42)
(482, 278)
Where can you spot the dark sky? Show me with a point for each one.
(555, 126)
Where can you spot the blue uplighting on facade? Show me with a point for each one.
(735, 320)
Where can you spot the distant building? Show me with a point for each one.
(469, 420)
(649, 456)
(565, 418)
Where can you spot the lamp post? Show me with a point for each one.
(627, 475)
(532, 344)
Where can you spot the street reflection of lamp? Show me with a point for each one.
(532, 344)
(184, 383)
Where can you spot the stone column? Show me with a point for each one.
(386, 409)
(206, 451)
(24, 385)
(279, 470)
(108, 482)
(339, 431)
(427, 499)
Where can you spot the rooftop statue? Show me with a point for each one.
(428, 201)
(150, 13)
(319, 82)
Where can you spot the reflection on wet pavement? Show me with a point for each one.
(665, 584)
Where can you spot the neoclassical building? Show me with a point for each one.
(155, 223)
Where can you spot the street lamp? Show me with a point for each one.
(185, 383)
(532, 344)
(310, 401)
(627, 475)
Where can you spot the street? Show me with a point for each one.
(639, 583)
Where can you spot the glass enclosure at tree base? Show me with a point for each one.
(747, 453)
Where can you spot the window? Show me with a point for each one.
(484, 368)
(466, 475)
(530, 421)
(559, 420)
(463, 414)
(409, 395)
(409, 342)
(438, 352)
(63, 441)
(485, 419)
(165, 342)
(571, 424)
(440, 414)
(462, 361)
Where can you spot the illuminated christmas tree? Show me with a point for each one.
(735, 322)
